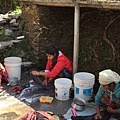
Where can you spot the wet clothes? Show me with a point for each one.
(39, 79)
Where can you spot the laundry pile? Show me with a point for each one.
(41, 115)
(18, 89)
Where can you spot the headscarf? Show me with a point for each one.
(108, 76)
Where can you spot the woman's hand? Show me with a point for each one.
(36, 73)
(97, 116)
(45, 82)
(111, 110)
(50, 79)
(2, 67)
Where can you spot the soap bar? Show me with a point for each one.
(46, 99)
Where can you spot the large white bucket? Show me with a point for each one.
(13, 66)
(62, 88)
(83, 85)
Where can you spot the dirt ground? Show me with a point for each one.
(15, 106)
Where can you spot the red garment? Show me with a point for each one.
(62, 62)
(3, 74)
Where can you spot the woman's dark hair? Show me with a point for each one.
(52, 50)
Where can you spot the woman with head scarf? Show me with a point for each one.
(58, 66)
(110, 89)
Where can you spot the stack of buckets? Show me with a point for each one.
(83, 85)
(13, 66)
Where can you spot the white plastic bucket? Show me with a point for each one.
(13, 66)
(83, 85)
(62, 88)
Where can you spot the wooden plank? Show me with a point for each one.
(76, 37)
(72, 1)
(107, 4)
(117, 2)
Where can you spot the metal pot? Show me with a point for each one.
(12, 81)
(78, 104)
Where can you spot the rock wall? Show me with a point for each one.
(49, 25)
(99, 38)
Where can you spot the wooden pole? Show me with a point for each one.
(76, 37)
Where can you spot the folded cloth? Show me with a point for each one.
(4, 74)
(39, 79)
(17, 89)
(104, 113)
(39, 115)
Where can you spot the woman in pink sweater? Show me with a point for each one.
(58, 66)
(3, 75)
